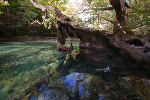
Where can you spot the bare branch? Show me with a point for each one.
(43, 8)
(36, 21)
(127, 5)
(112, 22)
(135, 1)
(101, 9)
(82, 11)
(49, 7)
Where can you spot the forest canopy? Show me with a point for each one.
(16, 16)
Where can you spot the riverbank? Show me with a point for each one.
(24, 38)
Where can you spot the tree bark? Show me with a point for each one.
(136, 52)
(120, 21)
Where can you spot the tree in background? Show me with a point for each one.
(138, 17)
(98, 14)
(101, 15)
(16, 19)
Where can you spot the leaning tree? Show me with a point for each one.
(138, 49)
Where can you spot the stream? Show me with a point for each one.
(36, 70)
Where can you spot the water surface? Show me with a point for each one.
(35, 70)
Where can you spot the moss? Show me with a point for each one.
(126, 36)
(66, 19)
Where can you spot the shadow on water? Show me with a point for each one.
(27, 55)
(22, 64)
(94, 75)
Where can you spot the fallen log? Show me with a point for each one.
(135, 52)
(92, 38)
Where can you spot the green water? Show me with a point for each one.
(22, 63)
(36, 70)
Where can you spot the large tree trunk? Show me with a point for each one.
(120, 21)
(119, 6)
(92, 38)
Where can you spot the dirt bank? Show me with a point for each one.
(23, 38)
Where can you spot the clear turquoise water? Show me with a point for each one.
(36, 70)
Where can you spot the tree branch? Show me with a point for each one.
(36, 21)
(112, 22)
(43, 8)
(49, 7)
(127, 5)
(101, 9)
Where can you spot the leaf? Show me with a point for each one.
(106, 88)
(90, 77)
(98, 83)
(6, 3)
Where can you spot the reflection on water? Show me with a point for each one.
(79, 75)
(92, 75)
(73, 84)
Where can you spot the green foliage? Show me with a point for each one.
(28, 11)
(54, 3)
(97, 17)
(16, 19)
(139, 15)
(51, 17)
(99, 3)
(3, 3)
(18, 14)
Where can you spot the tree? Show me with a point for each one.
(16, 18)
(120, 19)
(138, 16)
(99, 39)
